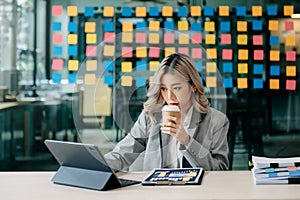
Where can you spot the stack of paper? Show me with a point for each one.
(276, 170)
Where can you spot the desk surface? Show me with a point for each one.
(6, 105)
(215, 185)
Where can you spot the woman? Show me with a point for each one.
(198, 138)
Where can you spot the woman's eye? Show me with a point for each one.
(163, 89)
(176, 88)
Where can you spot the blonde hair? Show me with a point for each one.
(183, 66)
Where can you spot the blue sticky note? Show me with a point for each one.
(56, 26)
(72, 27)
(108, 80)
(258, 83)
(208, 11)
(126, 11)
(72, 78)
(56, 78)
(108, 65)
(274, 40)
(272, 10)
(182, 11)
(57, 50)
(272, 175)
(108, 27)
(141, 66)
(196, 26)
(169, 25)
(225, 26)
(227, 82)
(294, 173)
(258, 69)
(257, 25)
(274, 70)
(89, 11)
(198, 66)
(241, 11)
(227, 67)
(140, 81)
(73, 50)
(153, 11)
(141, 26)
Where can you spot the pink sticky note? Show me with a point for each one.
(57, 64)
(227, 54)
(183, 50)
(109, 37)
(140, 38)
(127, 52)
(225, 38)
(57, 38)
(289, 25)
(91, 51)
(196, 38)
(257, 39)
(154, 52)
(57, 10)
(196, 53)
(290, 55)
(258, 54)
(169, 38)
(290, 85)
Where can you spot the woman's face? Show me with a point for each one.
(176, 91)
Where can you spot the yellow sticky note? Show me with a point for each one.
(183, 39)
(126, 66)
(273, 25)
(274, 84)
(211, 67)
(195, 11)
(109, 50)
(154, 25)
(243, 54)
(211, 53)
(243, 68)
(73, 65)
(108, 11)
(209, 26)
(153, 65)
(127, 37)
(140, 11)
(126, 81)
(288, 10)
(224, 10)
(183, 25)
(72, 39)
(290, 70)
(169, 51)
(167, 11)
(242, 83)
(153, 38)
(242, 39)
(141, 52)
(211, 81)
(72, 11)
(127, 26)
(274, 55)
(90, 27)
(290, 41)
(241, 26)
(256, 11)
(91, 65)
(210, 39)
(91, 38)
(89, 79)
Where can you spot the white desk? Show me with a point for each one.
(215, 185)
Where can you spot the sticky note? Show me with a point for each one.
(127, 37)
(225, 38)
(72, 27)
(211, 81)
(183, 50)
(196, 38)
(109, 50)
(169, 25)
(141, 52)
(57, 50)
(288, 10)
(290, 70)
(108, 65)
(91, 38)
(225, 26)
(183, 26)
(241, 11)
(242, 39)
(91, 65)
(56, 26)
(169, 38)
(274, 40)
(127, 26)
(126, 66)
(289, 25)
(153, 38)
(126, 11)
(72, 38)
(243, 54)
(141, 66)
(140, 81)
(243, 68)
(89, 79)
(197, 53)
(272, 10)
(208, 11)
(290, 55)
(72, 77)
(274, 55)
(89, 27)
(274, 70)
(274, 84)
(256, 11)
(109, 37)
(56, 78)
(140, 11)
(258, 83)
(57, 38)
(182, 11)
(210, 39)
(196, 26)
(57, 64)
(73, 50)
(127, 52)
(227, 82)
(258, 69)
(90, 50)
(89, 12)
(126, 81)
(140, 38)
(273, 25)
(183, 38)
(153, 11)
(227, 54)
(73, 65)
(198, 65)
(108, 80)
(211, 67)
(57, 10)
(258, 54)
(72, 11)
(195, 11)
(242, 26)
(209, 26)
(290, 85)
(223, 10)
(154, 25)
(211, 53)
(153, 65)
(169, 51)
(167, 11)
(108, 27)
(227, 67)
(242, 83)
(256, 25)
(108, 11)
(257, 40)
(154, 52)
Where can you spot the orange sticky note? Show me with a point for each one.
(126, 66)
(211, 67)
(224, 10)
(154, 25)
(90, 27)
(127, 26)
(211, 81)
(153, 38)
(89, 79)
(167, 11)
(91, 65)
(183, 26)
(241, 26)
(108, 11)
(288, 10)
(57, 38)
(72, 38)
(274, 55)
(91, 38)
(57, 10)
(127, 37)
(209, 26)
(183, 39)
(242, 83)
(273, 25)
(72, 11)
(290, 70)
(225, 38)
(140, 11)
(274, 84)
(141, 52)
(126, 81)
(211, 53)
(258, 54)
(243, 54)
(256, 11)
(57, 64)
(73, 65)
(291, 85)
(290, 40)
(195, 11)
(153, 65)
(109, 50)
(210, 39)
(243, 68)
(169, 51)
(242, 39)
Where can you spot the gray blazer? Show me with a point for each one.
(140, 150)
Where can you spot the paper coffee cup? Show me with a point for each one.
(170, 110)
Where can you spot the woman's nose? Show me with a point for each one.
(171, 95)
